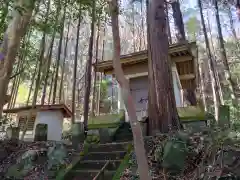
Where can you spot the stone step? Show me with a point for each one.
(128, 131)
(108, 175)
(123, 140)
(82, 175)
(123, 135)
(92, 164)
(114, 155)
(109, 147)
(89, 174)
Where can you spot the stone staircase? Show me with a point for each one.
(102, 160)
(100, 163)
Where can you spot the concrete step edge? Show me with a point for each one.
(96, 161)
(109, 144)
(105, 152)
(90, 171)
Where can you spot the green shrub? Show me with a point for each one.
(92, 139)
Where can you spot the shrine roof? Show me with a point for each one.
(54, 107)
(175, 50)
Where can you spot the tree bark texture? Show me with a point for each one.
(202, 85)
(127, 98)
(95, 73)
(178, 21)
(223, 55)
(163, 116)
(61, 92)
(75, 67)
(216, 97)
(88, 77)
(168, 24)
(59, 54)
(214, 61)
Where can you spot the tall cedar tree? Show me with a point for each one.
(163, 115)
(89, 68)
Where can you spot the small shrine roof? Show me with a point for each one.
(54, 107)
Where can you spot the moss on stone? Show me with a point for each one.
(105, 121)
(191, 113)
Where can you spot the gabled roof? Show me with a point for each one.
(65, 110)
(178, 49)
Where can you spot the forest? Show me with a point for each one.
(49, 56)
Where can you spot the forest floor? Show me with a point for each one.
(31, 160)
(204, 157)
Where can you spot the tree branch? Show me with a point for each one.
(16, 74)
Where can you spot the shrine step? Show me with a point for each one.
(104, 158)
(109, 147)
(113, 155)
(98, 164)
(89, 174)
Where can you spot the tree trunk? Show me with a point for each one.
(16, 91)
(75, 67)
(95, 72)
(18, 77)
(163, 116)
(133, 30)
(64, 63)
(11, 42)
(168, 24)
(142, 38)
(231, 22)
(128, 100)
(216, 97)
(102, 59)
(202, 85)
(41, 59)
(19, 66)
(89, 68)
(49, 60)
(59, 54)
(51, 85)
(219, 87)
(178, 20)
(223, 56)
(14, 85)
(32, 83)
